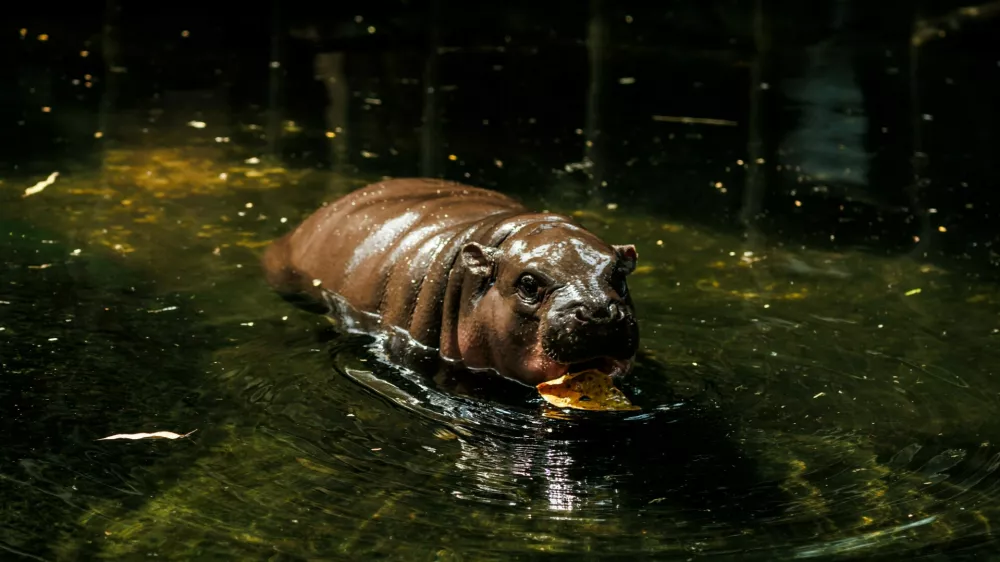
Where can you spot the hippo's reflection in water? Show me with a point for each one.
(516, 450)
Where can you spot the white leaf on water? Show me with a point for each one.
(38, 187)
(157, 435)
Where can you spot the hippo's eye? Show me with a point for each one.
(528, 288)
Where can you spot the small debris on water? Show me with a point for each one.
(819, 394)
(317, 282)
(197, 124)
(912, 292)
(157, 435)
(38, 187)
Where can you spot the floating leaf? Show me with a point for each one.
(587, 390)
(157, 435)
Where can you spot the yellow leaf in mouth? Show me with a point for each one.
(586, 390)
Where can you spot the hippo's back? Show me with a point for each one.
(388, 248)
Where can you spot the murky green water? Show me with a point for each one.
(797, 404)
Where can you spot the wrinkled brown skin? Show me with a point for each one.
(445, 262)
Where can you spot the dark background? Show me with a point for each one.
(531, 83)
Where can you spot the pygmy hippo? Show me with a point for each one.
(470, 272)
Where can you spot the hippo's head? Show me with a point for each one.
(552, 299)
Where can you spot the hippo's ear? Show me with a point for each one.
(479, 259)
(627, 256)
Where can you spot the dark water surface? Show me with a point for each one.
(817, 290)
(797, 403)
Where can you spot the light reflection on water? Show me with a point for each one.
(797, 404)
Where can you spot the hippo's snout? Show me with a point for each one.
(600, 314)
(584, 331)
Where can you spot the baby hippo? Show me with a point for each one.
(468, 272)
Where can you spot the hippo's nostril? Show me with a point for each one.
(611, 312)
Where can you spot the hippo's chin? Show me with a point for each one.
(607, 365)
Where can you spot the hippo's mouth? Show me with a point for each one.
(607, 365)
